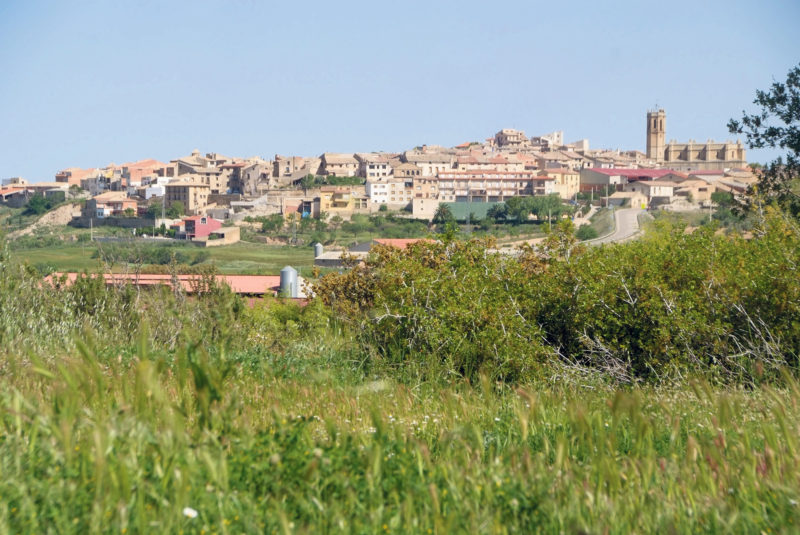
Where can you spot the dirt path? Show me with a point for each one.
(60, 217)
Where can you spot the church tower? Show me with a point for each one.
(656, 134)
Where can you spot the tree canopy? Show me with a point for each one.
(777, 125)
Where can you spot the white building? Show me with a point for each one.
(390, 191)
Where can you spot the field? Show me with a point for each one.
(305, 444)
(240, 258)
(646, 387)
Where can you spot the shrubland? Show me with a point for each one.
(643, 387)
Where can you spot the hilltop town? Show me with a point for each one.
(197, 193)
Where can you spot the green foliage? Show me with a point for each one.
(776, 125)
(311, 181)
(138, 253)
(674, 301)
(121, 408)
(586, 232)
(443, 215)
(38, 204)
(176, 209)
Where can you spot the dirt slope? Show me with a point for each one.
(60, 216)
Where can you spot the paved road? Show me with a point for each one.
(627, 220)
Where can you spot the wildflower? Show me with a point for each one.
(496, 419)
(189, 512)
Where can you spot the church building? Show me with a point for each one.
(691, 156)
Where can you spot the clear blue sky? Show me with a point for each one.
(86, 83)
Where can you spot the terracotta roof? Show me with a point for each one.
(11, 190)
(240, 284)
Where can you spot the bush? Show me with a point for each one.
(586, 232)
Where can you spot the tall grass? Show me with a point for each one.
(127, 412)
(96, 443)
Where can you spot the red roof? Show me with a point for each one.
(11, 190)
(240, 284)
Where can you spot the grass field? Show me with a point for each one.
(148, 412)
(240, 258)
(296, 443)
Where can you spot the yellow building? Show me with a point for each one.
(567, 181)
(343, 200)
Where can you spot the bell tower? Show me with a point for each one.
(656, 134)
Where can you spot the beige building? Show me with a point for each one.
(391, 191)
(373, 165)
(510, 139)
(567, 182)
(491, 186)
(689, 156)
(429, 163)
(192, 193)
(425, 187)
(486, 162)
(338, 164)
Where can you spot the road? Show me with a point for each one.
(627, 226)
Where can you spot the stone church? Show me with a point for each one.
(691, 156)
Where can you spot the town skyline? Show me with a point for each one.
(150, 81)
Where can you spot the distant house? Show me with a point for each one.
(595, 178)
(15, 197)
(339, 164)
(198, 226)
(108, 204)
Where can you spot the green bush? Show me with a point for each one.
(586, 232)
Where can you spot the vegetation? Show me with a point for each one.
(314, 181)
(80, 255)
(38, 204)
(438, 389)
(777, 124)
(669, 304)
(586, 232)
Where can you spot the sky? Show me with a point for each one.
(87, 83)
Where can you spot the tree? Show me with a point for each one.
(498, 212)
(37, 205)
(777, 125)
(443, 215)
(307, 182)
(176, 209)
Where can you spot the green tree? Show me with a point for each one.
(586, 232)
(272, 223)
(37, 205)
(777, 125)
(176, 209)
(498, 212)
(443, 215)
(307, 182)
